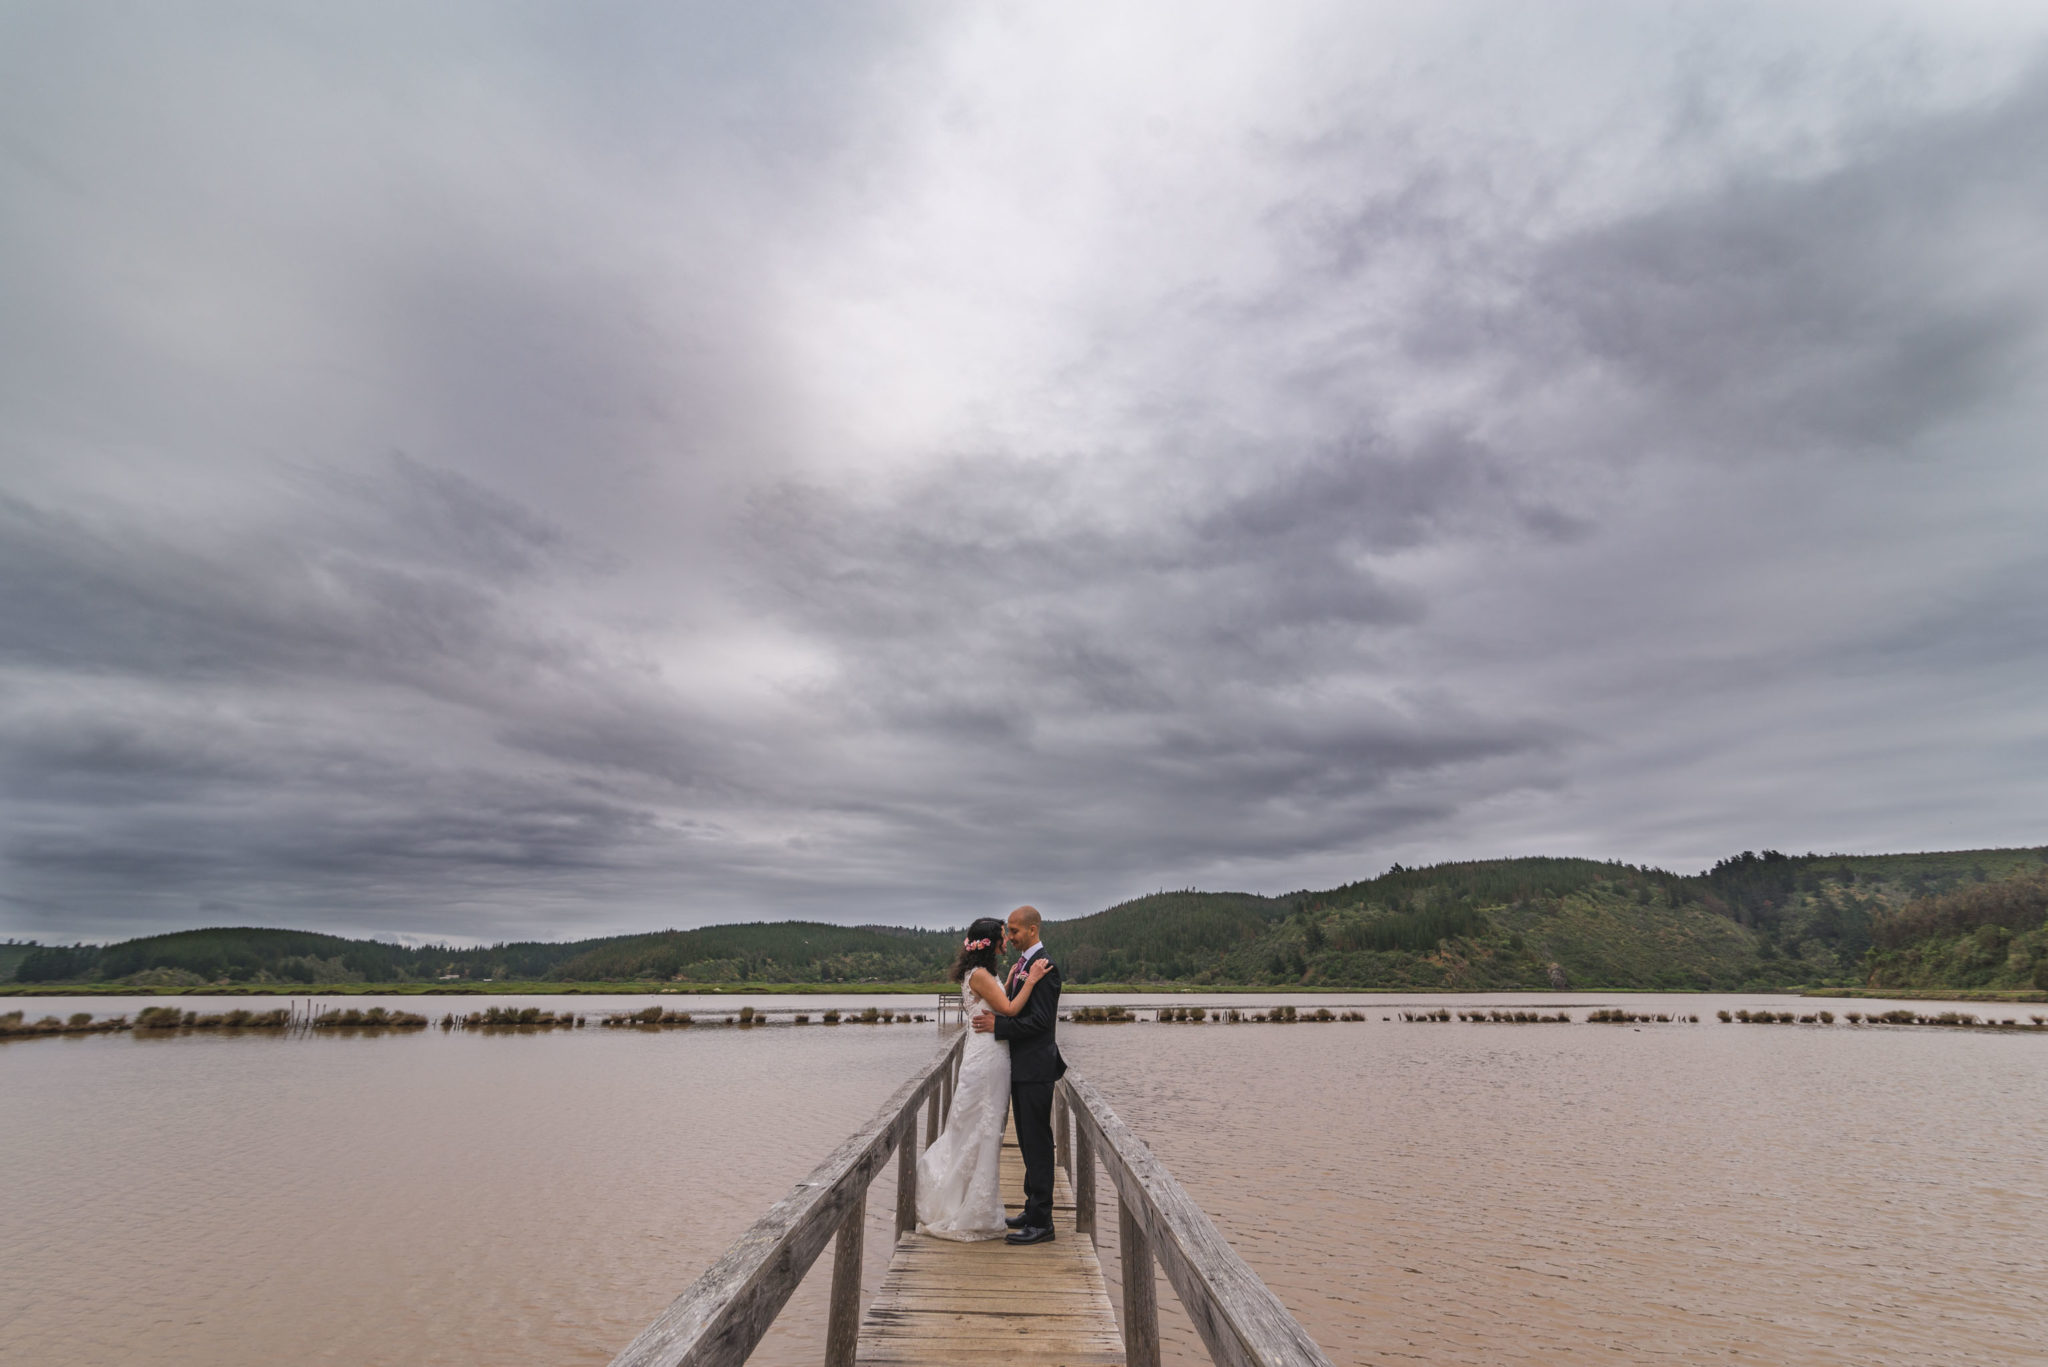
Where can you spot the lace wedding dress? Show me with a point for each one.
(958, 1184)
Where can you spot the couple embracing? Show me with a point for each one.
(1011, 1061)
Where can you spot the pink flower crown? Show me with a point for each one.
(977, 944)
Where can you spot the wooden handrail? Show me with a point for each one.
(717, 1322)
(725, 1313)
(1240, 1320)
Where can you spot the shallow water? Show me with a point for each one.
(407, 1198)
(1445, 1193)
(1612, 1194)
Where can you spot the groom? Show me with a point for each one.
(1035, 1065)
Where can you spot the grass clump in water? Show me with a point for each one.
(513, 1017)
(14, 1026)
(651, 1015)
(171, 1018)
(376, 1018)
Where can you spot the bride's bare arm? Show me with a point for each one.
(991, 991)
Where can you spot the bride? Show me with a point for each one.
(958, 1186)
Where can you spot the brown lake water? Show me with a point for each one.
(1442, 1193)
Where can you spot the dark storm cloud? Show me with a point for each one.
(105, 595)
(282, 717)
(705, 464)
(1137, 681)
(992, 607)
(1857, 310)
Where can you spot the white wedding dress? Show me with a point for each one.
(959, 1192)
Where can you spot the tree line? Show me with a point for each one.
(1753, 919)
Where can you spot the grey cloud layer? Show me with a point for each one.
(521, 575)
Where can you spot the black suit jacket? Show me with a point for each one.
(1032, 1033)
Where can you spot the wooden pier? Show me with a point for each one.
(943, 1302)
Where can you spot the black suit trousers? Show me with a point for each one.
(1031, 1104)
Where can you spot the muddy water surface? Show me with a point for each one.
(1415, 1193)
(1609, 1194)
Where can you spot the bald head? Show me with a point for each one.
(1021, 930)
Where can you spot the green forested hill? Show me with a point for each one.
(1816, 917)
(788, 951)
(1966, 919)
(1981, 935)
(254, 954)
(784, 951)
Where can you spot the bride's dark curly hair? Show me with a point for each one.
(988, 934)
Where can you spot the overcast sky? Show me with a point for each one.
(536, 470)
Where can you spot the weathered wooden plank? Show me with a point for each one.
(906, 1170)
(724, 1313)
(1029, 1349)
(927, 1323)
(1084, 1182)
(1033, 1300)
(842, 1325)
(1041, 1300)
(1062, 1130)
(1242, 1323)
(1141, 1295)
(944, 1303)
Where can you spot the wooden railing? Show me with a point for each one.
(1241, 1322)
(720, 1319)
(717, 1322)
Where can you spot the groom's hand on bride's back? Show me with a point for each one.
(984, 1021)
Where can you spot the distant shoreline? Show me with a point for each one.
(903, 989)
(473, 989)
(1932, 994)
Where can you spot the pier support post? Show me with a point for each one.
(1141, 1298)
(906, 1173)
(1083, 1175)
(1062, 1142)
(842, 1330)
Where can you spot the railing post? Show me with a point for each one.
(1141, 1297)
(931, 1116)
(1083, 1176)
(842, 1331)
(946, 1096)
(1062, 1144)
(906, 1172)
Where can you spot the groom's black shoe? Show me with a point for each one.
(1029, 1234)
(1014, 1221)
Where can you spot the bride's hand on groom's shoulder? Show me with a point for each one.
(1040, 966)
